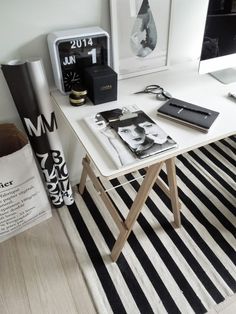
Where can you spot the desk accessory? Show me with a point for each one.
(232, 96)
(157, 90)
(186, 113)
(73, 50)
(78, 96)
(101, 83)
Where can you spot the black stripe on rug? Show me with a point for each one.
(127, 273)
(96, 259)
(225, 155)
(223, 272)
(217, 162)
(227, 144)
(211, 187)
(153, 275)
(192, 296)
(191, 260)
(213, 173)
(233, 138)
(168, 260)
(213, 231)
(202, 195)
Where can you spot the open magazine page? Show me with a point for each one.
(110, 141)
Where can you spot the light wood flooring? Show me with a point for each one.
(39, 274)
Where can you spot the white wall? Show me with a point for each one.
(188, 21)
(24, 25)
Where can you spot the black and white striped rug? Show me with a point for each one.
(162, 269)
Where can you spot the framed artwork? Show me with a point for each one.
(140, 36)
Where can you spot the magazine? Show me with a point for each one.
(110, 141)
(128, 134)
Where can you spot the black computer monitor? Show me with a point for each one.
(218, 56)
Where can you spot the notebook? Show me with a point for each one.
(186, 113)
(138, 131)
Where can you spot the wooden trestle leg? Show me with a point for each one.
(83, 176)
(143, 192)
(171, 175)
(125, 227)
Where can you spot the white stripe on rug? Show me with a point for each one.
(161, 269)
(184, 267)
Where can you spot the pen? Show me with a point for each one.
(191, 109)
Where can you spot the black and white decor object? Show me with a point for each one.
(29, 88)
(73, 50)
(162, 269)
(144, 34)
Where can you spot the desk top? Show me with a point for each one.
(183, 82)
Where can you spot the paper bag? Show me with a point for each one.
(23, 199)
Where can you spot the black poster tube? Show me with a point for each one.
(20, 85)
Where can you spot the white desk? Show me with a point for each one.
(183, 82)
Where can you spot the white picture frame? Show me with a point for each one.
(124, 21)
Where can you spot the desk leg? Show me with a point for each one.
(83, 176)
(171, 174)
(88, 171)
(143, 192)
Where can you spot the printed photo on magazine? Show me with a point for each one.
(141, 134)
(128, 134)
(110, 141)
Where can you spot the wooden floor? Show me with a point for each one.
(39, 274)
